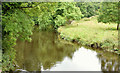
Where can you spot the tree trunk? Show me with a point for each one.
(118, 25)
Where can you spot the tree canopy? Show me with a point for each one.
(18, 19)
(88, 9)
(109, 13)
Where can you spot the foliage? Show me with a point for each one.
(88, 9)
(57, 14)
(17, 22)
(9, 7)
(109, 12)
(59, 21)
(66, 12)
(16, 25)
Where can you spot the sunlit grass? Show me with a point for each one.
(90, 32)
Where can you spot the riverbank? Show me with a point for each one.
(90, 33)
(65, 56)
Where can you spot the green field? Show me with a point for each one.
(89, 32)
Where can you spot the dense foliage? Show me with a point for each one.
(88, 9)
(18, 20)
(109, 13)
(57, 14)
(14, 26)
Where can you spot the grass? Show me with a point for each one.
(91, 33)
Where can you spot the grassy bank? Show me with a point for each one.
(89, 32)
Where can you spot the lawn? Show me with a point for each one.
(89, 32)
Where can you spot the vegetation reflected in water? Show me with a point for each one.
(109, 62)
(46, 50)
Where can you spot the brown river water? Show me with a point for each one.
(46, 52)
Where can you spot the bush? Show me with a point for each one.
(16, 25)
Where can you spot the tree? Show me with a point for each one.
(66, 12)
(18, 21)
(88, 9)
(109, 13)
(57, 14)
(15, 24)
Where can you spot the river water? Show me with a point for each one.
(47, 52)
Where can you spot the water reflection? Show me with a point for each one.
(83, 60)
(109, 61)
(44, 50)
(47, 52)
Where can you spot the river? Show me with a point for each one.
(46, 52)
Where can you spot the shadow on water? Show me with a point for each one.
(48, 53)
